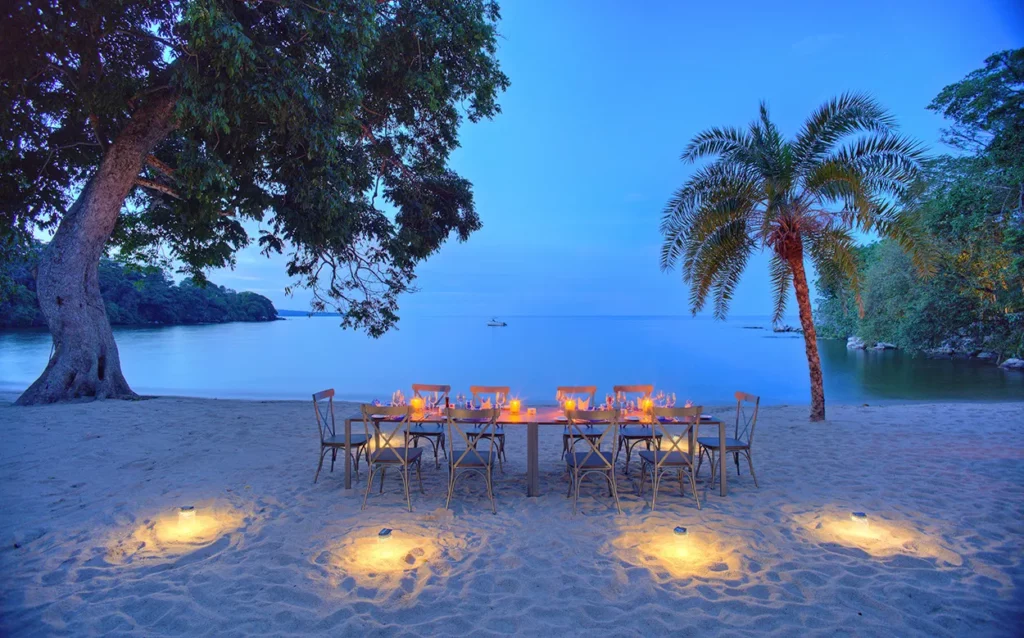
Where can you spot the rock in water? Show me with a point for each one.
(1013, 364)
(855, 343)
(882, 345)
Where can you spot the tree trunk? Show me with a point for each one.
(85, 362)
(803, 301)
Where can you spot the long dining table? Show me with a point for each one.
(547, 416)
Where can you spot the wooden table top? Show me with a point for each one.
(551, 415)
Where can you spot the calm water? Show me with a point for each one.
(699, 359)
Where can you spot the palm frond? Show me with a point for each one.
(834, 120)
(714, 141)
(781, 276)
(713, 261)
(833, 252)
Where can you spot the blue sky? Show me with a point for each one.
(571, 178)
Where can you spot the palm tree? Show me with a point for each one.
(847, 170)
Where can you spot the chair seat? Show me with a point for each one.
(579, 434)
(712, 442)
(474, 458)
(426, 429)
(339, 441)
(638, 432)
(396, 454)
(579, 459)
(665, 457)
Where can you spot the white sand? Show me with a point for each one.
(84, 549)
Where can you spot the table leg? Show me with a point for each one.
(348, 454)
(723, 474)
(532, 460)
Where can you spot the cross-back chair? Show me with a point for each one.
(579, 394)
(465, 454)
(674, 427)
(747, 406)
(587, 430)
(432, 432)
(633, 434)
(389, 428)
(323, 406)
(482, 395)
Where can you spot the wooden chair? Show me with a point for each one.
(592, 460)
(633, 434)
(323, 406)
(576, 393)
(673, 460)
(747, 406)
(387, 425)
(468, 456)
(432, 432)
(490, 392)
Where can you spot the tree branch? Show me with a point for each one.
(157, 186)
(160, 166)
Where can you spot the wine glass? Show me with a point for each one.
(500, 399)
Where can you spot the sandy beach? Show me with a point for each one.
(89, 491)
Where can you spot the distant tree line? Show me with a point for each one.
(133, 296)
(971, 206)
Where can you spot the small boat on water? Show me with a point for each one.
(494, 323)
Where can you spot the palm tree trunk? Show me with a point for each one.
(85, 361)
(803, 301)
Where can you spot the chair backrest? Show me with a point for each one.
(323, 406)
(621, 391)
(442, 390)
(576, 392)
(684, 418)
(385, 423)
(483, 421)
(592, 427)
(481, 392)
(747, 406)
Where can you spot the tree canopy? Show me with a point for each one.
(327, 122)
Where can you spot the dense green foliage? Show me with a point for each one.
(132, 296)
(330, 122)
(972, 208)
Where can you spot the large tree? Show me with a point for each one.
(154, 128)
(846, 170)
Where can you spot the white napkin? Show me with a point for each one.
(486, 405)
(582, 404)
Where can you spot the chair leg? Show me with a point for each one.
(383, 473)
(489, 475)
(629, 451)
(655, 481)
(643, 478)
(451, 485)
(750, 462)
(614, 490)
(736, 459)
(369, 484)
(323, 452)
(576, 496)
(419, 475)
(405, 483)
(693, 486)
(334, 456)
(680, 477)
(572, 477)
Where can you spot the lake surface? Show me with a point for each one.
(699, 359)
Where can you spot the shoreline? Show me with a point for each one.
(8, 396)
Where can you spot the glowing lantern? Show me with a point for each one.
(514, 406)
(417, 404)
(569, 405)
(646, 404)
